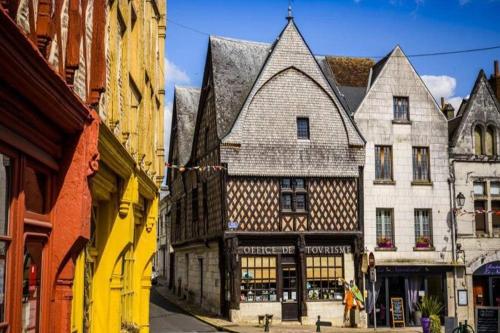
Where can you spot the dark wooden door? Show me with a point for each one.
(289, 301)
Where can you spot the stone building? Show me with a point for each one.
(51, 78)
(266, 199)
(163, 247)
(475, 166)
(405, 188)
(113, 275)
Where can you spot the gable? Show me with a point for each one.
(394, 76)
(482, 108)
(291, 51)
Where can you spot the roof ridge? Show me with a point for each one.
(239, 40)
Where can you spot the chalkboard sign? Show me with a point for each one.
(487, 319)
(398, 311)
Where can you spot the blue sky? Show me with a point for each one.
(343, 27)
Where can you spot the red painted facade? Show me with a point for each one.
(48, 148)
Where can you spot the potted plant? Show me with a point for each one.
(430, 308)
(384, 242)
(423, 242)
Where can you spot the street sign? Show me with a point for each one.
(371, 260)
(373, 274)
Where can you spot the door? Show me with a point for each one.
(289, 302)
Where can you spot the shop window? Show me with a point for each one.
(490, 141)
(35, 190)
(293, 195)
(479, 188)
(478, 141)
(480, 216)
(383, 162)
(421, 164)
(384, 227)
(423, 227)
(324, 278)
(32, 270)
(495, 206)
(401, 108)
(495, 188)
(258, 279)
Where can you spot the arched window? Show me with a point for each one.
(490, 141)
(478, 140)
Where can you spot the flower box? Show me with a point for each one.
(423, 242)
(384, 243)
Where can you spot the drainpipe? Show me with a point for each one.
(451, 184)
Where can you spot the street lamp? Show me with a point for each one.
(460, 200)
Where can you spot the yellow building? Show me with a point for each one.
(112, 284)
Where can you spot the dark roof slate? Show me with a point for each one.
(235, 67)
(186, 109)
(353, 96)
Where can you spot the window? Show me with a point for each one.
(35, 190)
(384, 228)
(293, 195)
(383, 162)
(303, 128)
(495, 188)
(479, 188)
(478, 141)
(423, 227)
(5, 183)
(324, 276)
(421, 164)
(258, 279)
(490, 141)
(495, 206)
(480, 216)
(401, 108)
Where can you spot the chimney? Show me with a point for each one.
(442, 103)
(495, 79)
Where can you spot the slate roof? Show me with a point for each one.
(185, 110)
(377, 68)
(235, 67)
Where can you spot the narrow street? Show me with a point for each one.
(167, 317)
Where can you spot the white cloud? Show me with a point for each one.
(174, 74)
(440, 85)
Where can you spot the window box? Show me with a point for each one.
(423, 242)
(385, 243)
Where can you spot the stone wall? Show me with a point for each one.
(187, 271)
(428, 128)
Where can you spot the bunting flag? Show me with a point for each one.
(461, 212)
(200, 168)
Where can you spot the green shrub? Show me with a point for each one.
(435, 324)
(429, 306)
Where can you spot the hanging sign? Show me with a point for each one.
(371, 260)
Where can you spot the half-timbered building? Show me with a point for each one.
(266, 213)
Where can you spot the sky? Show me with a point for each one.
(344, 28)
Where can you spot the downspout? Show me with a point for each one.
(451, 184)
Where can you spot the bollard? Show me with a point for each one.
(266, 323)
(318, 326)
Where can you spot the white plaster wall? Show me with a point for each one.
(428, 128)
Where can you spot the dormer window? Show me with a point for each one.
(303, 128)
(401, 108)
(478, 140)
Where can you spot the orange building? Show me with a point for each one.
(51, 76)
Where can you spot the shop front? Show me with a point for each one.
(486, 285)
(409, 284)
(294, 279)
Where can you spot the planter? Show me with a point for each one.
(426, 325)
(417, 318)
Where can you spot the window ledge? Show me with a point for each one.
(303, 140)
(384, 182)
(430, 248)
(401, 122)
(421, 183)
(389, 249)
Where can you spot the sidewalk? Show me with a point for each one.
(222, 324)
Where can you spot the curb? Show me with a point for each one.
(200, 318)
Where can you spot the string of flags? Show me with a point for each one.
(461, 212)
(200, 168)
